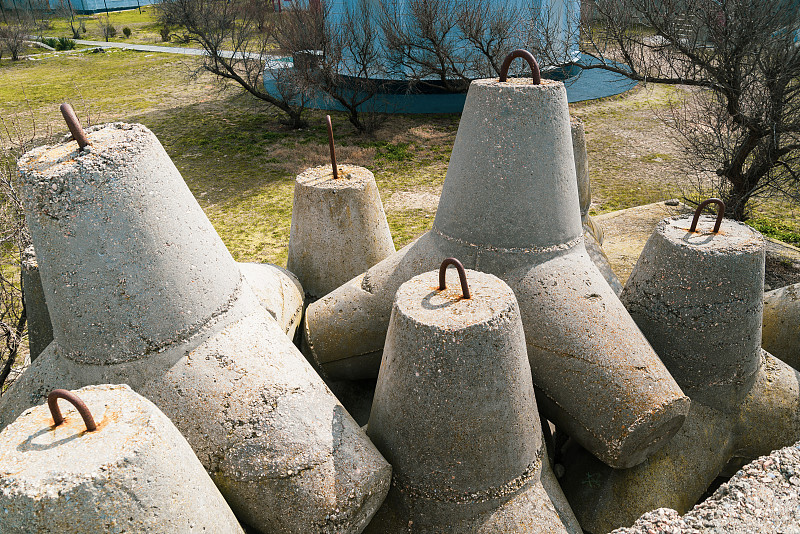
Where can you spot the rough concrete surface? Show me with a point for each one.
(697, 297)
(514, 149)
(762, 498)
(40, 329)
(469, 369)
(278, 291)
(339, 228)
(781, 324)
(142, 291)
(135, 473)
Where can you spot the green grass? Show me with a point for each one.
(143, 25)
(240, 161)
(776, 229)
(101, 86)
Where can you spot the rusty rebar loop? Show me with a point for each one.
(527, 56)
(462, 275)
(74, 125)
(333, 148)
(83, 410)
(720, 213)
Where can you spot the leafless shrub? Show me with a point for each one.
(239, 45)
(741, 130)
(14, 34)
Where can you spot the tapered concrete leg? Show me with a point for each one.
(463, 361)
(278, 291)
(339, 228)
(134, 473)
(40, 329)
(141, 290)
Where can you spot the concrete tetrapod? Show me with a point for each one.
(339, 228)
(509, 206)
(455, 414)
(780, 330)
(697, 297)
(134, 473)
(141, 290)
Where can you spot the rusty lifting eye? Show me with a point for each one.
(52, 403)
(333, 149)
(74, 126)
(462, 275)
(699, 210)
(527, 56)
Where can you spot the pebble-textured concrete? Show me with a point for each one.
(697, 297)
(595, 250)
(509, 207)
(281, 448)
(761, 498)
(40, 329)
(581, 167)
(339, 228)
(780, 330)
(278, 291)
(135, 473)
(455, 414)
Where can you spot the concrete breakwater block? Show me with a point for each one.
(339, 228)
(697, 297)
(461, 361)
(134, 473)
(780, 332)
(142, 291)
(509, 206)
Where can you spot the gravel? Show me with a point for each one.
(762, 497)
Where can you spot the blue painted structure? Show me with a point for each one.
(588, 85)
(560, 17)
(83, 7)
(397, 95)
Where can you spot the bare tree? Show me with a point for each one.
(14, 34)
(741, 128)
(448, 43)
(228, 31)
(352, 66)
(13, 240)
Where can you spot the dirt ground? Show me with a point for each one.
(626, 232)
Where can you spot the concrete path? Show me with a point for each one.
(162, 49)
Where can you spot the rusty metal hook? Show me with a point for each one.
(699, 210)
(74, 125)
(52, 403)
(333, 150)
(527, 56)
(462, 275)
